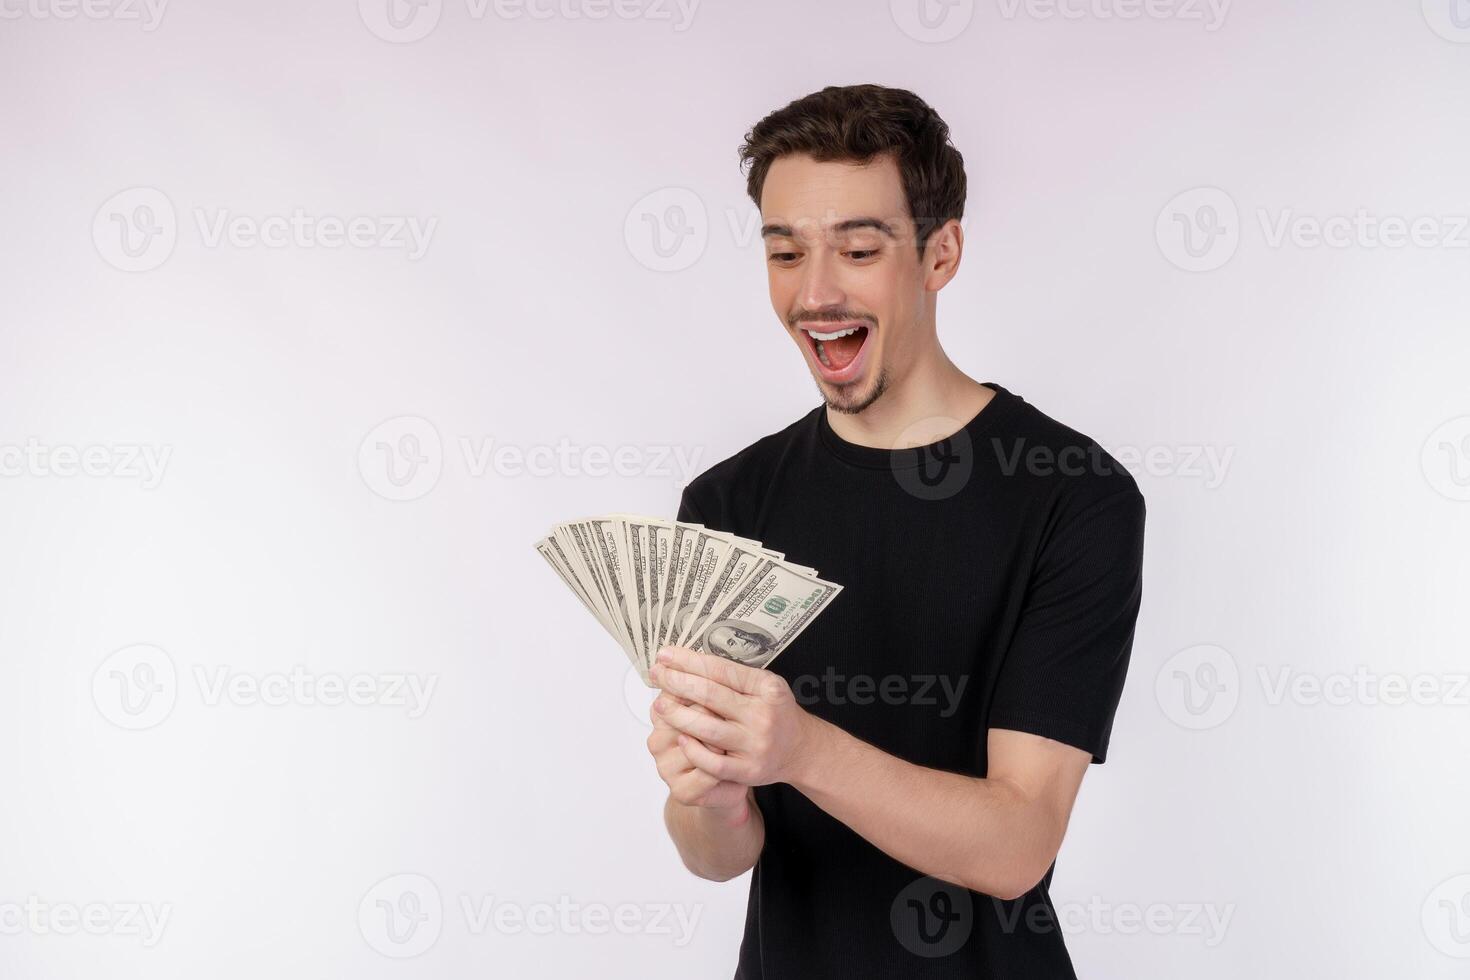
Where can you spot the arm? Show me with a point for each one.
(996, 835)
(716, 843)
(715, 826)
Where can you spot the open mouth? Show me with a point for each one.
(838, 349)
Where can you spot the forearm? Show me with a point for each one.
(713, 842)
(985, 834)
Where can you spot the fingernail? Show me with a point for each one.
(664, 656)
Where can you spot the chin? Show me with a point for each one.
(851, 399)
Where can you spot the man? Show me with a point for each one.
(902, 777)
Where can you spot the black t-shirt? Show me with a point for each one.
(991, 580)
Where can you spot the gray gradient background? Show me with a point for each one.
(542, 315)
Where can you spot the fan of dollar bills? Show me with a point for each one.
(654, 583)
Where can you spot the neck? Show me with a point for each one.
(934, 392)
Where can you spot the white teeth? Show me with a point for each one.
(831, 336)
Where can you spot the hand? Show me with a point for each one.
(687, 784)
(736, 723)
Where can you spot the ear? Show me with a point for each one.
(942, 257)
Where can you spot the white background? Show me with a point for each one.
(1327, 548)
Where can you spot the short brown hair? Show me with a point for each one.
(857, 123)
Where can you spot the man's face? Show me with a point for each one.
(734, 642)
(841, 259)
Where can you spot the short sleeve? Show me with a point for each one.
(1062, 675)
(688, 510)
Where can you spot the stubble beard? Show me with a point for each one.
(852, 405)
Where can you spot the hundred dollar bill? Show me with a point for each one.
(774, 606)
(738, 563)
(652, 583)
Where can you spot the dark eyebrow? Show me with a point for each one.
(841, 228)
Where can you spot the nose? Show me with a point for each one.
(820, 288)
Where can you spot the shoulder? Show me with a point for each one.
(1063, 465)
(743, 474)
